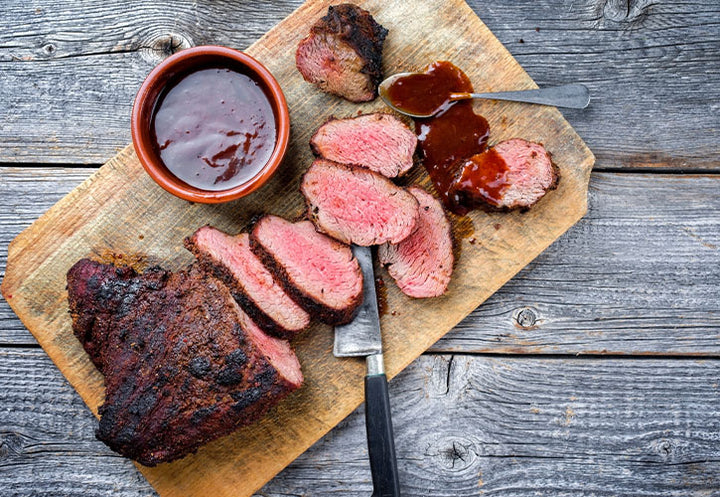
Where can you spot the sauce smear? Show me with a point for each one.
(214, 128)
(455, 133)
(484, 175)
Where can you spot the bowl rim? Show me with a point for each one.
(140, 122)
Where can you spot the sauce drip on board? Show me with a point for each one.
(453, 134)
(484, 175)
(214, 128)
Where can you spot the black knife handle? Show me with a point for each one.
(381, 443)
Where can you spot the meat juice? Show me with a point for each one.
(214, 128)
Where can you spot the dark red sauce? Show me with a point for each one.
(425, 93)
(214, 128)
(484, 175)
(453, 134)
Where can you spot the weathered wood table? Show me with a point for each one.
(596, 371)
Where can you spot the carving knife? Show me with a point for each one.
(361, 338)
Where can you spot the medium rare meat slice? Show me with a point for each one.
(183, 364)
(422, 264)
(379, 142)
(513, 174)
(319, 273)
(356, 205)
(342, 54)
(230, 259)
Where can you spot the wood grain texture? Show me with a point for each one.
(588, 428)
(639, 274)
(120, 209)
(653, 68)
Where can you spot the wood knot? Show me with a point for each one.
(453, 453)
(526, 318)
(664, 448)
(11, 444)
(625, 11)
(164, 45)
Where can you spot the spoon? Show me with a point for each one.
(572, 96)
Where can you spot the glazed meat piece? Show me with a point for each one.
(342, 54)
(422, 264)
(183, 364)
(230, 259)
(356, 205)
(379, 142)
(513, 174)
(319, 273)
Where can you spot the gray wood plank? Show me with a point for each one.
(465, 426)
(69, 70)
(639, 275)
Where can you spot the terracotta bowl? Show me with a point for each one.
(186, 61)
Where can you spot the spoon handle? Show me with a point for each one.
(573, 96)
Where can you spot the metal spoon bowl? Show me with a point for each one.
(572, 96)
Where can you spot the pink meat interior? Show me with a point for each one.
(319, 265)
(277, 351)
(235, 253)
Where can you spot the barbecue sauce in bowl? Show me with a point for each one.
(214, 128)
(454, 134)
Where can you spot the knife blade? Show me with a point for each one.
(362, 337)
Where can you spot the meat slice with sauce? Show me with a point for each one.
(319, 273)
(422, 264)
(342, 54)
(380, 142)
(514, 174)
(230, 259)
(356, 205)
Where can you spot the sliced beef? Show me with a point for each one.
(319, 273)
(230, 259)
(422, 264)
(379, 142)
(356, 205)
(183, 364)
(513, 174)
(342, 54)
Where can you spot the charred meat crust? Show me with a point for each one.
(319, 310)
(357, 28)
(179, 368)
(211, 266)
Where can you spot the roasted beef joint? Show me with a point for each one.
(342, 54)
(183, 364)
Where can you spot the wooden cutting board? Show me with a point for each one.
(119, 209)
